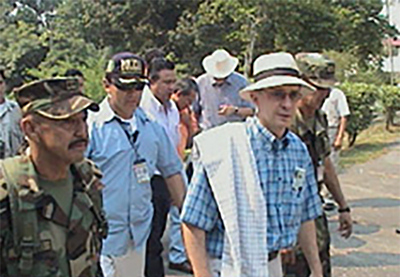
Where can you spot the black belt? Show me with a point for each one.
(272, 255)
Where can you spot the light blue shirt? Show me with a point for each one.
(11, 136)
(212, 96)
(127, 203)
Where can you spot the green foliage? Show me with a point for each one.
(48, 33)
(389, 98)
(361, 98)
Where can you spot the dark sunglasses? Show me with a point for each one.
(130, 86)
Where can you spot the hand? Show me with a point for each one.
(288, 256)
(337, 144)
(345, 224)
(226, 110)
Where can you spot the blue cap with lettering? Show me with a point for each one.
(126, 67)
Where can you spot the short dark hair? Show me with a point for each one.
(73, 72)
(186, 85)
(152, 54)
(2, 74)
(158, 64)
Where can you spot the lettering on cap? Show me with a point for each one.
(130, 65)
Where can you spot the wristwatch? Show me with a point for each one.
(236, 110)
(344, 210)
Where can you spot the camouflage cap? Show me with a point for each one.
(317, 69)
(57, 98)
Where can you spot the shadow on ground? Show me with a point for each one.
(353, 242)
(361, 259)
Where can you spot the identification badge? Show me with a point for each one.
(299, 178)
(141, 172)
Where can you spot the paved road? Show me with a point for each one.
(373, 191)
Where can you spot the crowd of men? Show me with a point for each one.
(239, 169)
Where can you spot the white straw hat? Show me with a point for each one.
(220, 64)
(273, 70)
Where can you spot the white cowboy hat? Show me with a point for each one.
(274, 70)
(220, 64)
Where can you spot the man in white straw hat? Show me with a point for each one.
(253, 192)
(219, 101)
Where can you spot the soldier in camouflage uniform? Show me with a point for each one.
(51, 220)
(311, 125)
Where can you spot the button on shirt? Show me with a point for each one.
(288, 204)
(127, 202)
(212, 96)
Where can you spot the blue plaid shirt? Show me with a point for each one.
(288, 205)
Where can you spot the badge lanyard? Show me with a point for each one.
(139, 165)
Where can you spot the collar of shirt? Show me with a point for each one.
(315, 124)
(150, 102)
(6, 107)
(262, 133)
(106, 114)
(228, 81)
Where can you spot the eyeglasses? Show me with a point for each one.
(281, 95)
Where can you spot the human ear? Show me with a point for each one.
(254, 97)
(30, 128)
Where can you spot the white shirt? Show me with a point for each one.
(167, 118)
(335, 107)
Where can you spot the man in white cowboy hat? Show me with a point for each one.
(219, 87)
(253, 193)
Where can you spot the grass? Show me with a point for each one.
(370, 144)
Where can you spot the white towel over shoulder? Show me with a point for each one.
(231, 169)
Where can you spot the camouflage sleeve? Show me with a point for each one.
(326, 143)
(5, 223)
(92, 175)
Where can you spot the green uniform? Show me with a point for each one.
(50, 228)
(313, 133)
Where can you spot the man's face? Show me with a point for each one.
(314, 100)
(164, 86)
(276, 106)
(123, 102)
(2, 88)
(81, 82)
(219, 81)
(185, 101)
(64, 140)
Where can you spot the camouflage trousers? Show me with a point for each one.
(300, 268)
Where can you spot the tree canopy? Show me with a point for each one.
(40, 38)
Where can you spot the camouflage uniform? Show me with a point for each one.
(314, 133)
(38, 237)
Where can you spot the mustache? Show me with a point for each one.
(76, 141)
